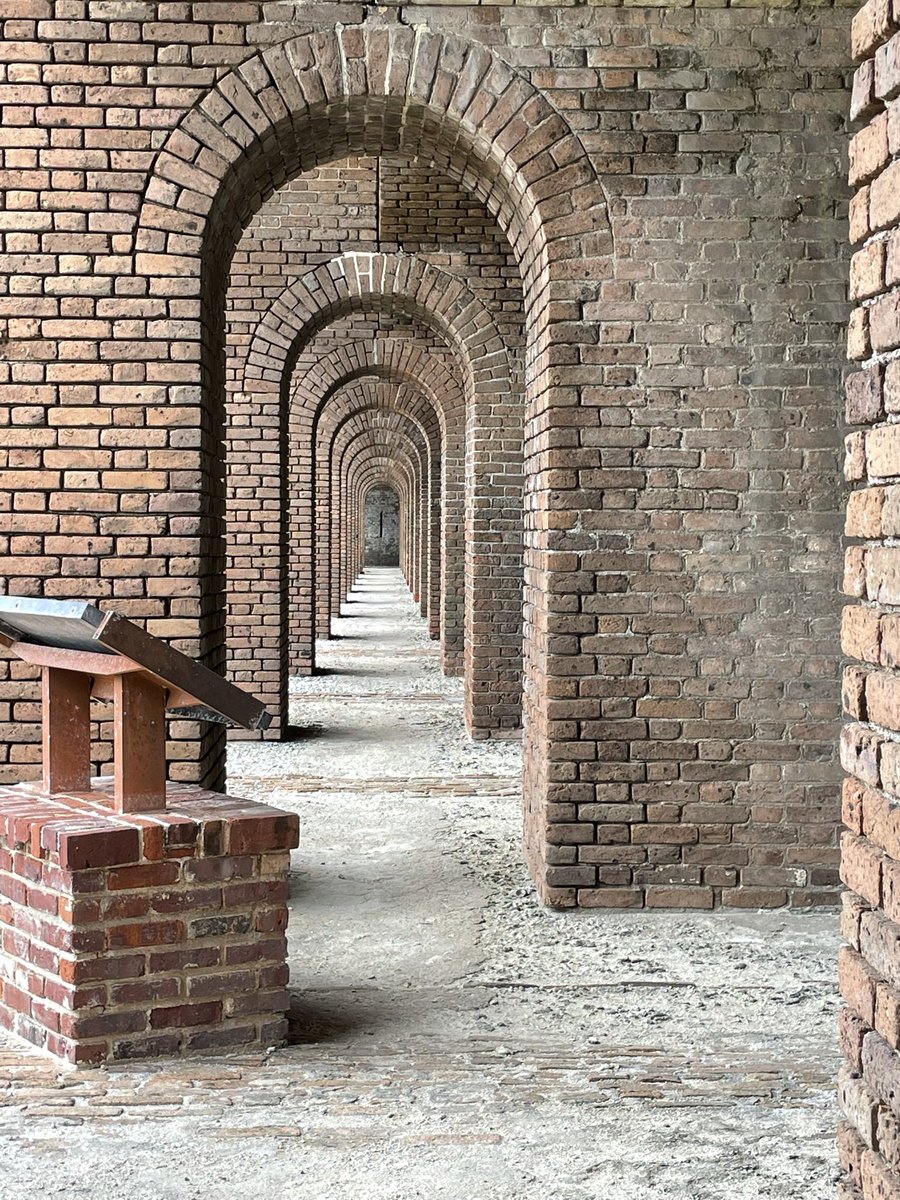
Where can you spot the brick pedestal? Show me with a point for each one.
(127, 936)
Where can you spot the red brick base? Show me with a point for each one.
(126, 936)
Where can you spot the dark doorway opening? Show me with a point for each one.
(382, 528)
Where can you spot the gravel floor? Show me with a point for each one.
(451, 1039)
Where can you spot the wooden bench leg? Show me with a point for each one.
(66, 730)
(139, 744)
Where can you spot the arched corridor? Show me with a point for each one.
(450, 392)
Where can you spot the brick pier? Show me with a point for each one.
(869, 1084)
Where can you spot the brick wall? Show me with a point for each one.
(651, 200)
(869, 1139)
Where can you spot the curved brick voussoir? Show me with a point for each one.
(401, 360)
(358, 280)
(358, 90)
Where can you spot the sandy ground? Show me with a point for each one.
(451, 1039)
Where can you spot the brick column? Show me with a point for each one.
(128, 936)
(869, 1086)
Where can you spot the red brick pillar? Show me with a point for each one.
(870, 962)
(127, 936)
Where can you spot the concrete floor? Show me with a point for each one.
(451, 1039)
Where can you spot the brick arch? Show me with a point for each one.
(369, 394)
(369, 487)
(378, 467)
(403, 361)
(483, 641)
(378, 472)
(389, 432)
(379, 408)
(390, 440)
(372, 476)
(365, 281)
(378, 89)
(372, 89)
(381, 421)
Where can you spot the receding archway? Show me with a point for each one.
(482, 613)
(381, 531)
(368, 403)
(392, 88)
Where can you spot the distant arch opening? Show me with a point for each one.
(381, 530)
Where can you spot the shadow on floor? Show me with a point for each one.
(304, 733)
(315, 1018)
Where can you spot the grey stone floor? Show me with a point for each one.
(451, 1039)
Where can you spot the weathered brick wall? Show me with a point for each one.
(680, 449)
(869, 1139)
